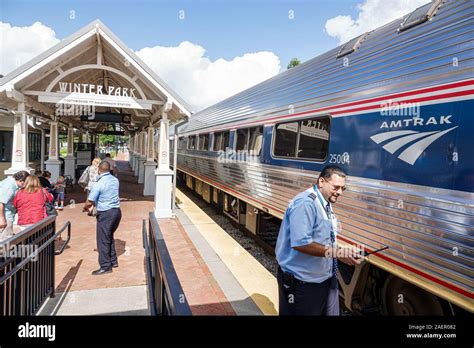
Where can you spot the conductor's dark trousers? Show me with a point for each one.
(302, 298)
(107, 223)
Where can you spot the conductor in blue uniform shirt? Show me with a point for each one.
(105, 196)
(307, 252)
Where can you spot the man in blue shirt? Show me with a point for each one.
(105, 196)
(8, 190)
(306, 249)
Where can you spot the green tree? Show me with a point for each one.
(106, 139)
(294, 62)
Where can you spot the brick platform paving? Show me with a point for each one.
(74, 266)
(204, 295)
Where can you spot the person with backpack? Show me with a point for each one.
(89, 177)
(45, 181)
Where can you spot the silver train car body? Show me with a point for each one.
(421, 203)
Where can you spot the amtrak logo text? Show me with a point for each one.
(417, 121)
(395, 141)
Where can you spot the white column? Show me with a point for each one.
(175, 170)
(150, 165)
(20, 142)
(70, 160)
(53, 164)
(142, 159)
(163, 187)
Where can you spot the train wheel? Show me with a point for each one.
(403, 298)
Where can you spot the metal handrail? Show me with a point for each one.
(33, 255)
(149, 274)
(173, 301)
(24, 292)
(68, 225)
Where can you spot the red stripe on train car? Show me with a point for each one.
(414, 270)
(403, 94)
(416, 100)
(361, 102)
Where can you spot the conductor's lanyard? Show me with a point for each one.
(327, 208)
(330, 215)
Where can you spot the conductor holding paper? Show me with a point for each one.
(307, 252)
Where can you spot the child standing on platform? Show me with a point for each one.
(60, 187)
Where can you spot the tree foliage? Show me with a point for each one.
(293, 62)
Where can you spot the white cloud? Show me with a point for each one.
(202, 82)
(371, 14)
(20, 44)
(197, 79)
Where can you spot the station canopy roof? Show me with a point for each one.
(91, 70)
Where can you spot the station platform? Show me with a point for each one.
(218, 270)
(123, 291)
(217, 275)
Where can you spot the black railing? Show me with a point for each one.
(165, 294)
(27, 267)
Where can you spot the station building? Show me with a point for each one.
(90, 83)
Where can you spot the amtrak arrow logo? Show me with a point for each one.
(404, 137)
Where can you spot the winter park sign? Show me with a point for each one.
(95, 95)
(69, 87)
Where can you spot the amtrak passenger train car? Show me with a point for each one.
(394, 108)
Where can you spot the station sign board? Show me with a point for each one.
(95, 95)
(107, 117)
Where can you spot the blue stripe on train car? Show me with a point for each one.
(436, 150)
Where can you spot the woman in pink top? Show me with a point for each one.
(30, 202)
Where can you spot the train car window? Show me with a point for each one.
(286, 135)
(204, 142)
(217, 141)
(182, 143)
(242, 139)
(225, 140)
(192, 143)
(256, 140)
(314, 138)
(221, 141)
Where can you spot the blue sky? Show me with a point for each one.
(218, 49)
(226, 29)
